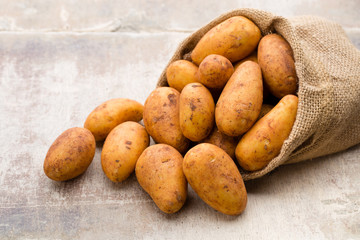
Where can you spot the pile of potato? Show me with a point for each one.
(218, 103)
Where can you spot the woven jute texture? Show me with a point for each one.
(328, 69)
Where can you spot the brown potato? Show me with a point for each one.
(234, 38)
(159, 172)
(276, 60)
(180, 73)
(226, 143)
(70, 155)
(162, 120)
(214, 71)
(240, 102)
(215, 178)
(197, 112)
(121, 150)
(264, 140)
(111, 113)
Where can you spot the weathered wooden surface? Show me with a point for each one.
(60, 60)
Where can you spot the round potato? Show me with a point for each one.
(70, 155)
(159, 172)
(214, 71)
(264, 140)
(197, 112)
(226, 143)
(276, 60)
(121, 150)
(215, 178)
(234, 38)
(111, 113)
(180, 73)
(240, 102)
(161, 118)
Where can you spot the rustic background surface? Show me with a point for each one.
(60, 59)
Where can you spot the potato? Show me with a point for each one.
(197, 112)
(70, 155)
(226, 143)
(251, 57)
(159, 172)
(265, 108)
(214, 71)
(110, 114)
(122, 148)
(180, 73)
(240, 102)
(276, 60)
(264, 140)
(162, 120)
(215, 178)
(234, 38)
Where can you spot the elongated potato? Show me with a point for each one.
(240, 102)
(264, 140)
(180, 73)
(162, 120)
(225, 142)
(111, 113)
(121, 150)
(234, 38)
(215, 178)
(159, 172)
(70, 154)
(276, 60)
(197, 112)
(214, 71)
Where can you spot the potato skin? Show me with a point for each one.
(234, 38)
(111, 113)
(159, 172)
(264, 140)
(70, 154)
(276, 60)
(251, 57)
(215, 178)
(214, 71)
(197, 112)
(240, 102)
(162, 120)
(265, 108)
(121, 150)
(180, 73)
(225, 142)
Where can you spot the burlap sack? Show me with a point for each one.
(328, 68)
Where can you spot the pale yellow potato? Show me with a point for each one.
(70, 154)
(162, 120)
(197, 112)
(111, 113)
(159, 172)
(180, 73)
(225, 142)
(214, 176)
(276, 60)
(240, 102)
(214, 71)
(121, 150)
(234, 38)
(264, 140)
